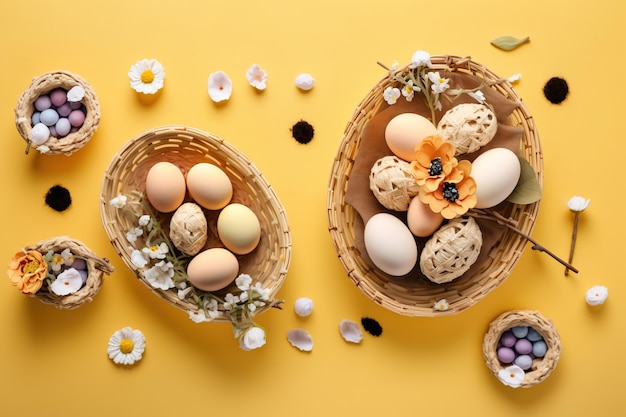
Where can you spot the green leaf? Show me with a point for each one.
(527, 189)
(509, 43)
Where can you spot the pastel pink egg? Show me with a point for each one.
(77, 118)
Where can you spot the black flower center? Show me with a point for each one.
(450, 192)
(435, 167)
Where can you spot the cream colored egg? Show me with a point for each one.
(422, 221)
(239, 228)
(209, 186)
(390, 244)
(165, 187)
(405, 131)
(496, 173)
(213, 269)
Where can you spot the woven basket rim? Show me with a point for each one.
(43, 84)
(544, 326)
(97, 267)
(194, 143)
(374, 284)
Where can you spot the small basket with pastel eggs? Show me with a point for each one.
(197, 223)
(521, 348)
(436, 186)
(59, 271)
(57, 113)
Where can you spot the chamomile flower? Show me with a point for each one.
(243, 282)
(133, 234)
(420, 59)
(408, 91)
(126, 346)
(198, 316)
(119, 201)
(147, 76)
(156, 251)
(138, 258)
(438, 83)
(441, 305)
(160, 275)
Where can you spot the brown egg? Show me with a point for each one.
(422, 221)
(165, 187)
(213, 269)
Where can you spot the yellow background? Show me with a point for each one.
(54, 362)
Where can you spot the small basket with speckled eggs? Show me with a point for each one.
(186, 147)
(360, 147)
(542, 365)
(95, 267)
(78, 134)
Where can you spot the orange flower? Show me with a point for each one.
(434, 161)
(455, 195)
(27, 270)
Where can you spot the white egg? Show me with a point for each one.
(496, 173)
(390, 244)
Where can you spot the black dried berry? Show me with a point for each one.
(371, 326)
(302, 132)
(556, 90)
(58, 198)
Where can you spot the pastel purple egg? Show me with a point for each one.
(77, 118)
(79, 263)
(64, 109)
(75, 105)
(43, 102)
(63, 127)
(505, 354)
(508, 339)
(49, 117)
(53, 131)
(524, 362)
(35, 118)
(58, 96)
(523, 347)
(83, 274)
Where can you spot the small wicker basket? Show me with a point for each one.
(417, 297)
(43, 84)
(185, 147)
(96, 268)
(541, 368)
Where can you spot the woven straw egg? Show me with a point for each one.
(468, 126)
(392, 183)
(451, 250)
(188, 228)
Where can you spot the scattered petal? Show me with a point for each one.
(515, 77)
(76, 93)
(596, 295)
(305, 81)
(257, 77)
(220, 86)
(350, 331)
(508, 43)
(300, 339)
(512, 376)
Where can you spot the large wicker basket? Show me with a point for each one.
(185, 147)
(43, 84)
(542, 367)
(417, 297)
(96, 268)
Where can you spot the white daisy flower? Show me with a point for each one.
(156, 251)
(391, 95)
(160, 275)
(243, 282)
(119, 201)
(126, 346)
(220, 86)
(442, 305)
(257, 77)
(147, 76)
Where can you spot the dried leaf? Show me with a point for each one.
(509, 43)
(527, 189)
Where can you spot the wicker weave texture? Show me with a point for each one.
(185, 147)
(96, 268)
(541, 368)
(418, 298)
(45, 83)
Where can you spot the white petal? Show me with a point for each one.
(220, 86)
(300, 339)
(350, 331)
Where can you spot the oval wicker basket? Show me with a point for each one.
(541, 368)
(185, 147)
(417, 297)
(43, 84)
(96, 268)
